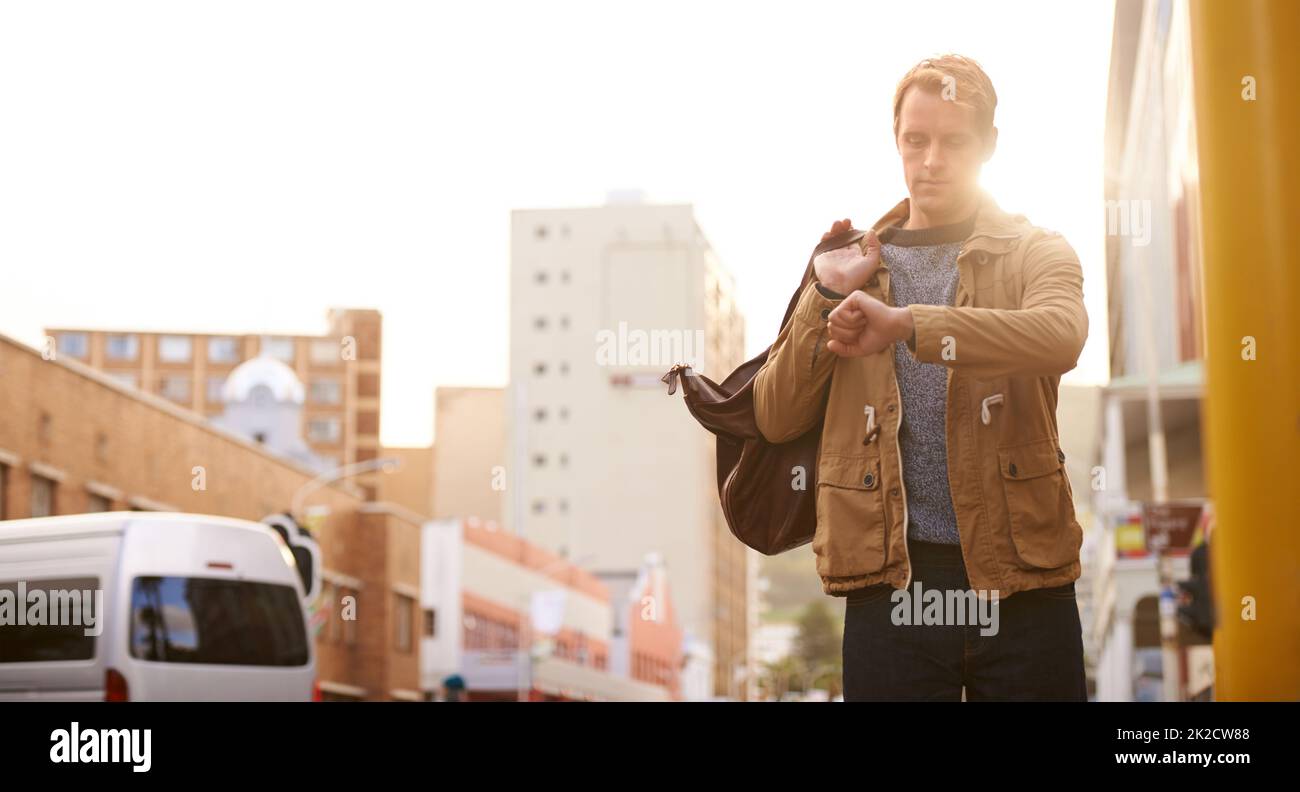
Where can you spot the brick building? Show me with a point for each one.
(74, 440)
(340, 370)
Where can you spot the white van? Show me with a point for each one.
(194, 608)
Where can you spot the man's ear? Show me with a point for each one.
(991, 144)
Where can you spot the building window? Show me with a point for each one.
(564, 367)
(564, 276)
(175, 388)
(42, 496)
(122, 346)
(280, 348)
(101, 447)
(126, 378)
(44, 427)
(540, 232)
(75, 345)
(216, 386)
(4, 490)
(539, 414)
(540, 277)
(326, 391)
(404, 615)
(175, 349)
(324, 430)
(539, 369)
(223, 349)
(430, 623)
(564, 459)
(97, 503)
(564, 413)
(564, 322)
(539, 323)
(563, 506)
(325, 351)
(539, 506)
(539, 460)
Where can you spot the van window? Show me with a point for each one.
(61, 633)
(224, 622)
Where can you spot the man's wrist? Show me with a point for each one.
(906, 327)
(829, 293)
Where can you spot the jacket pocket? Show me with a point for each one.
(850, 535)
(1039, 507)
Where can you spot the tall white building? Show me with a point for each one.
(605, 466)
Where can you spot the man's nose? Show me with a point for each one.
(934, 160)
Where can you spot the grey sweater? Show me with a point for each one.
(923, 269)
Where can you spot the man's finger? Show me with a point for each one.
(844, 350)
(838, 227)
(850, 306)
(844, 335)
(848, 319)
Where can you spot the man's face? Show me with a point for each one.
(942, 151)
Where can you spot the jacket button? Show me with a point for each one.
(826, 314)
(1060, 455)
(868, 480)
(893, 407)
(894, 492)
(1012, 468)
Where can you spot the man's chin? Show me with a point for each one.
(930, 202)
(938, 203)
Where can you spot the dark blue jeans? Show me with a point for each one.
(1036, 653)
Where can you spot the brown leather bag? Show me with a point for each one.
(755, 477)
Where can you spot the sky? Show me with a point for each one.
(245, 166)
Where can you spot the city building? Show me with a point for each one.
(410, 485)
(1151, 409)
(469, 452)
(646, 643)
(340, 372)
(463, 474)
(264, 402)
(74, 439)
(516, 622)
(604, 468)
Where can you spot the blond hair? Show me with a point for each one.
(970, 87)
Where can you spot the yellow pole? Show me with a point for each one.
(1249, 157)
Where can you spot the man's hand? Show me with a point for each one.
(848, 268)
(862, 325)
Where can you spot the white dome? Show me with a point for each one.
(276, 376)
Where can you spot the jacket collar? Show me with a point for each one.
(995, 230)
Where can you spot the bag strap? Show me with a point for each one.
(840, 240)
(831, 243)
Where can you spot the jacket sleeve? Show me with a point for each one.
(790, 386)
(1044, 337)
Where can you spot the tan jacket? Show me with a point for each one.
(1017, 323)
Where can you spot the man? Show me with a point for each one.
(933, 349)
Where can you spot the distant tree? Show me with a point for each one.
(818, 647)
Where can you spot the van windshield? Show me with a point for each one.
(217, 621)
